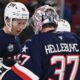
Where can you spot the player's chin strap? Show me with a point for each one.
(10, 25)
(4, 72)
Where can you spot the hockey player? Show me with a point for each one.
(16, 17)
(51, 55)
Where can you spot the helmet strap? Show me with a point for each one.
(10, 25)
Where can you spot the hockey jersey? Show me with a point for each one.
(50, 56)
(9, 47)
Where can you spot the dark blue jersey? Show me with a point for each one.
(53, 56)
(8, 45)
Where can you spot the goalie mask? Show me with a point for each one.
(44, 15)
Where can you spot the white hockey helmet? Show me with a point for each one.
(63, 25)
(15, 10)
(44, 15)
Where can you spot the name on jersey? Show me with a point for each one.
(62, 47)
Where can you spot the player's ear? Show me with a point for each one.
(7, 21)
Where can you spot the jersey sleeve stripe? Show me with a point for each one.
(24, 73)
(3, 74)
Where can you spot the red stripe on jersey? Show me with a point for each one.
(20, 74)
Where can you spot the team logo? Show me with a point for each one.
(12, 5)
(10, 47)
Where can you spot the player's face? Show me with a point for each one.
(18, 25)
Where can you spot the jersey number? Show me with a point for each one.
(22, 58)
(65, 61)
